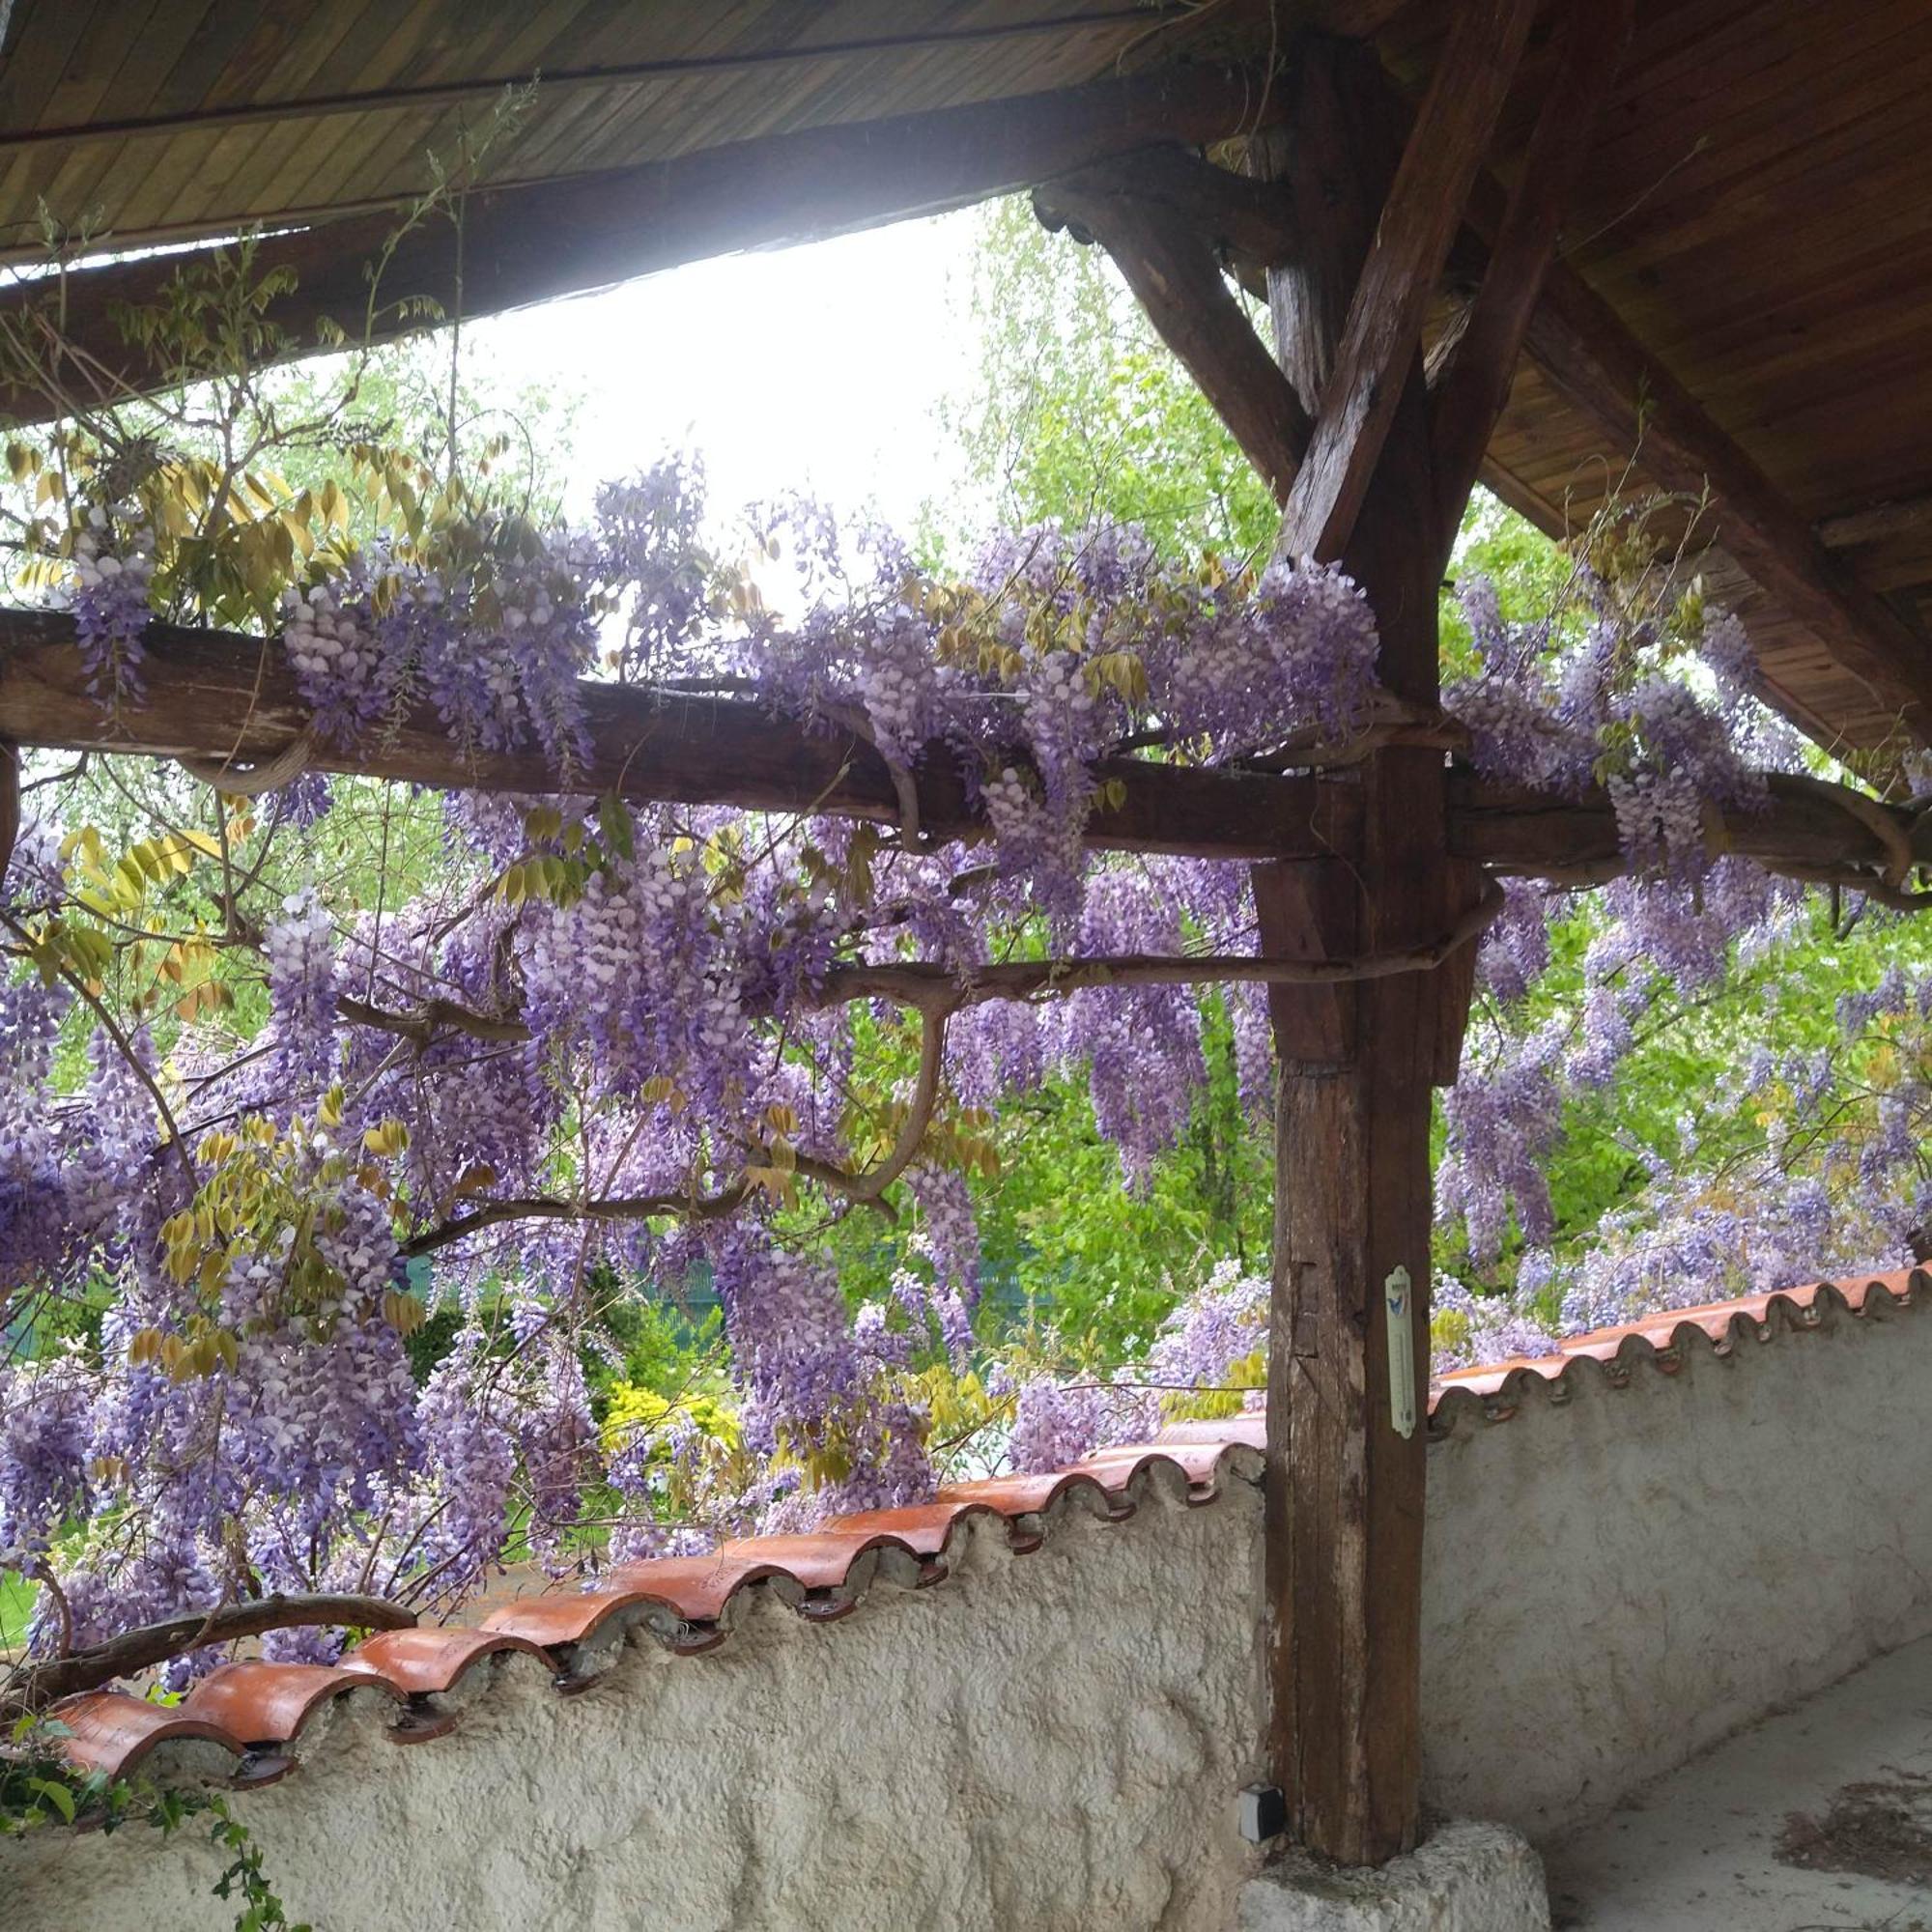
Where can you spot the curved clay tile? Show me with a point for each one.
(1495, 1391)
(574, 1619)
(266, 1703)
(1247, 1430)
(1197, 1467)
(113, 1732)
(256, 1703)
(1035, 1496)
(922, 1530)
(427, 1661)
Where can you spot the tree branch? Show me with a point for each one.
(10, 802)
(869, 1185)
(423, 1023)
(940, 989)
(34, 1686)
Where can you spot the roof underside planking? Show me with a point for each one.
(1754, 217)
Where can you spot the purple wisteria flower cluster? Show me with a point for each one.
(563, 1053)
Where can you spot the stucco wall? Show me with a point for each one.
(1056, 1740)
(1619, 1580)
(1051, 1740)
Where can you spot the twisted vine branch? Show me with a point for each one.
(33, 1687)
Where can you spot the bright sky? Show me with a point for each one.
(813, 368)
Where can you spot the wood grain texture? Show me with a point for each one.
(212, 696)
(1344, 1492)
(1577, 340)
(216, 696)
(1383, 333)
(535, 243)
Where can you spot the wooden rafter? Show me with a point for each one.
(538, 240)
(1472, 383)
(1579, 342)
(1902, 516)
(1424, 210)
(1158, 219)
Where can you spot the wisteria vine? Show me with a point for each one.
(262, 1120)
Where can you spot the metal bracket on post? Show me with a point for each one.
(1264, 1813)
(1398, 1299)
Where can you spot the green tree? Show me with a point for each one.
(1077, 410)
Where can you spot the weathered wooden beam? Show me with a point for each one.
(1345, 1486)
(534, 242)
(1169, 259)
(1803, 828)
(1472, 386)
(1903, 516)
(216, 696)
(1424, 210)
(1584, 347)
(1238, 216)
(219, 697)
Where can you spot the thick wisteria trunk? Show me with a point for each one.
(1352, 1178)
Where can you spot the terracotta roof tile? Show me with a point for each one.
(1496, 1391)
(685, 1601)
(259, 1703)
(113, 1732)
(575, 1623)
(1035, 1496)
(429, 1660)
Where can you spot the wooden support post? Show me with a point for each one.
(1353, 1209)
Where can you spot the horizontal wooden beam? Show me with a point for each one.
(216, 696)
(1806, 827)
(538, 240)
(1902, 516)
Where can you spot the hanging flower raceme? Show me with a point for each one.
(549, 1058)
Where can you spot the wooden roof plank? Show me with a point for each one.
(1579, 343)
(529, 244)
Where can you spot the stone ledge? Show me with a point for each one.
(1465, 1878)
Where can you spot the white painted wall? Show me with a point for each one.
(1616, 1583)
(1055, 1741)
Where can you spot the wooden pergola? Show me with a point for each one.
(1554, 245)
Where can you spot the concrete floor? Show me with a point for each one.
(1819, 1820)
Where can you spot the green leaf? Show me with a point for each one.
(56, 1794)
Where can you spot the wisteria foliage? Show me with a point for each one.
(262, 1123)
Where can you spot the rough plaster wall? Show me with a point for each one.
(1047, 1741)
(1616, 1583)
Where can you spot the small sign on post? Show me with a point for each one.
(1399, 1298)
